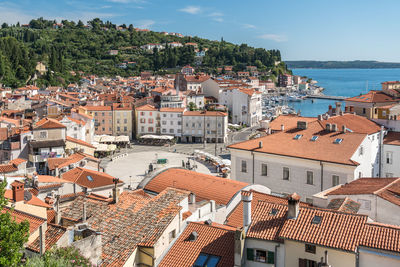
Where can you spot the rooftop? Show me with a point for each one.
(204, 186)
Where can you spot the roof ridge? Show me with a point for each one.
(385, 187)
(221, 227)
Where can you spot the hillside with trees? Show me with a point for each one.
(71, 48)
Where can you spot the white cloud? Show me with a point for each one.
(147, 23)
(218, 19)
(273, 37)
(249, 26)
(216, 14)
(191, 10)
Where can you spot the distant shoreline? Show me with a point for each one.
(308, 64)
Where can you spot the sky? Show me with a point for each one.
(300, 29)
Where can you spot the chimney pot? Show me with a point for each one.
(247, 197)
(282, 127)
(84, 212)
(18, 191)
(344, 128)
(42, 240)
(192, 198)
(260, 144)
(320, 117)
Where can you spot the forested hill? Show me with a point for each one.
(74, 47)
(357, 64)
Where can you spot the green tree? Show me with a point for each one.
(192, 106)
(13, 235)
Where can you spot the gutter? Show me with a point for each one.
(322, 175)
(252, 153)
(276, 254)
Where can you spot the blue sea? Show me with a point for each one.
(341, 82)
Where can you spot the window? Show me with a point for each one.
(273, 212)
(314, 138)
(260, 255)
(150, 129)
(338, 141)
(389, 157)
(363, 110)
(316, 220)
(310, 177)
(125, 128)
(102, 114)
(43, 134)
(206, 260)
(361, 151)
(142, 120)
(142, 129)
(118, 129)
(125, 121)
(164, 130)
(193, 124)
(335, 180)
(179, 123)
(164, 123)
(172, 235)
(309, 200)
(365, 204)
(172, 123)
(117, 121)
(151, 113)
(244, 166)
(264, 170)
(164, 115)
(171, 130)
(286, 173)
(389, 175)
(297, 137)
(150, 120)
(310, 248)
(307, 263)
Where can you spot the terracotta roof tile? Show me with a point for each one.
(379, 236)
(362, 186)
(392, 138)
(47, 123)
(372, 97)
(52, 235)
(88, 178)
(212, 240)
(344, 204)
(19, 216)
(146, 107)
(204, 186)
(322, 149)
(288, 121)
(235, 218)
(80, 142)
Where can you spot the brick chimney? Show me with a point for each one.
(18, 191)
(293, 206)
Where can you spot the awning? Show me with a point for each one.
(122, 138)
(159, 137)
(107, 139)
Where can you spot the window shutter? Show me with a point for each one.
(271, 257)
(250, 254)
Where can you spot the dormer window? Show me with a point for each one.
(314, 138)
(298, 136)
(316, 220)
(338, 141)
(274, 212)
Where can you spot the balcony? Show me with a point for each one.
(42, 157)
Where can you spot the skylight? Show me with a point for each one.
(206, 260)
(316, 220)
(314, 138)
(90, 178)
(338, 141)
(274, 212)
(298, 136)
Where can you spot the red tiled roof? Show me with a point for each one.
(146, 107)
(392, 138)
(355, 123)
(381, 236)
(80, 142)
(97, 108)
(81, 176)
(372, 97)
(204, 186)
(212, 239)
(235, 218)
(322, 149)
(344, 204)
(363, 186)
(4, 168)
(52, 235)
(336, 229)
(19, 216)
(47, 123)
(17, 161)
